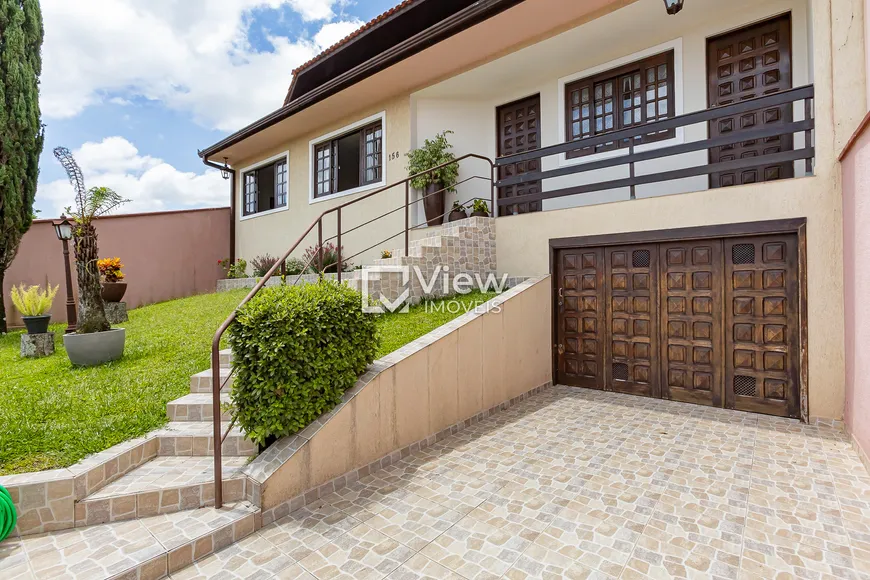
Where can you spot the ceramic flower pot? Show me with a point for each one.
(113, 291)
(456, 215)
(36, 324)
(433, 204)
(480, 214)
(96, 348)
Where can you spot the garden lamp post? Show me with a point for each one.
(64, 229)
(673, 6)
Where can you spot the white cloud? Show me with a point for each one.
(150, 183)
(331, 33)
(193, 55)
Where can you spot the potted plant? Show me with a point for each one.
(95, 342)
(457, 212)
(434, 184)
(33, 303)
(479, 209)
(386, 254)
(113, 288)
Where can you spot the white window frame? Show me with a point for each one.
(241, 186)
(382, 116)
(677, 46)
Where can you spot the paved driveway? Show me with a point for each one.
(578, 484)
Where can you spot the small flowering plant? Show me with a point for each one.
(237, 269)
(110, 269)
(385, 254)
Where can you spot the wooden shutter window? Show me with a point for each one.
(631, 95)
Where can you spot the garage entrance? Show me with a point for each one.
(710, 316)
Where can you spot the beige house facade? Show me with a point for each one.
(761, 331)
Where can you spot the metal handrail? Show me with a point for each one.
(318, 222)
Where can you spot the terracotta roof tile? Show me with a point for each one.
(368, 25)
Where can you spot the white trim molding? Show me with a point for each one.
(677, 46)
(240, 175)
(382, 116)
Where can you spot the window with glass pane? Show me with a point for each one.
(281, 183)
(323, 170)
(250, 193)
(265, 188)
(349, 161)
(373, 142)
(631, 95)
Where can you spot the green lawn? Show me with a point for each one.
(52, 414)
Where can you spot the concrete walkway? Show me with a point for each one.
(580, 484)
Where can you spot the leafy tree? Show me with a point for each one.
(21, 134)
(90, 204)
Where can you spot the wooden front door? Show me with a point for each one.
(519, 130)
(706, 321)
(750, 62)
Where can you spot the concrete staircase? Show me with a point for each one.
(156, 518)
(463, 247)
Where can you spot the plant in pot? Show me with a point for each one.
(95, 342)
(479, 209)
(113, 288)
(434, 184)
(33, 303)
(457, 212)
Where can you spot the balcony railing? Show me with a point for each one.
(630, 135)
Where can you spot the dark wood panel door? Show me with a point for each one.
(762, 335)
(691, 321)
(519, 130)
(632, 361)
(750, 62)
(580, 317)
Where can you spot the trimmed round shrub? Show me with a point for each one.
(296, 350)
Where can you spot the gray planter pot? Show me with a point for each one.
(94, 349)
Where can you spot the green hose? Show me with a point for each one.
(7, 514)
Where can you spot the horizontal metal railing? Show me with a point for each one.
(317, 256)
(632, 157)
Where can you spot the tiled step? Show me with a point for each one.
(161, 486)
(201, 382)
(146, 548)
(196, 407)
(226, 358)
(196, 438)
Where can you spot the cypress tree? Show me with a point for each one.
(21, 133)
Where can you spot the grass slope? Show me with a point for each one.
(52, 414)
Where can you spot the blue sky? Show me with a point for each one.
(135, 88)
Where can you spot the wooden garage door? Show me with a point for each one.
(712, 322)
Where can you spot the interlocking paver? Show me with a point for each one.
(577, 484)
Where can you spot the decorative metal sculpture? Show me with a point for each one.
(90, 204)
